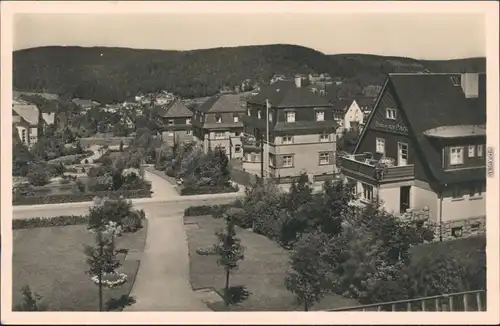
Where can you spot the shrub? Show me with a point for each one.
(132, 223)
(39, 222)
(170, 172)
(31, 301)
(206, 210)
(38, 177)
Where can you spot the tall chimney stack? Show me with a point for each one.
(470, 84)
(298, 81)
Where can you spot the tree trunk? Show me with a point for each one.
(226, 290)
(101, 253)
(306, 306)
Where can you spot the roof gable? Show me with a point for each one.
(287, 94)
(177, 109)
(28, 112)
(222, 103)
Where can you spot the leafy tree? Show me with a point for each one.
(21, 158)
(110, 211)
(230, 252)
(307, 276)
(31, 301)
(101, 260)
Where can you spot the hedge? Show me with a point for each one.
(40, 222)
(63, 198)
(207, 190)
(214, 210)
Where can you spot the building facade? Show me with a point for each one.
(301, 133)
(176, 122)
(423, 148)
(26, 119)
(217, 123)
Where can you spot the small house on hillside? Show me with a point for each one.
(26, 119)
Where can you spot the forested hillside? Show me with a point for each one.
(115, 74)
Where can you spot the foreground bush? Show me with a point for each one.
(39, 222)
(207, 190)
(214, 210)
(120, 212)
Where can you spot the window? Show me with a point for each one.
(367, 192)
(290, 117)
(286, 140)
(455, 81)
(324, 158)
(475, 226)
(287, 161)
(479, 150)
(170, 133)
(457, 192)
(237, 134)
(249, 112)
(259, 114)
(475, 190)
(237, 148)
(201, 118)
(380, 145)
(170, 122)
(270, 116)
(23, 135)
(188, 121)
(188, 132)
(324, 137)
(236, 118)
(219, 135)
(456, 155)
(320, 115)
(456, 231)
(472, 150)
(218, 119)
(390, 114)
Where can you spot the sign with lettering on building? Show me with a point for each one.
(390, 127)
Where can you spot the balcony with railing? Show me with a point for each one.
(250, 144)
(378, 169)
(454, 302)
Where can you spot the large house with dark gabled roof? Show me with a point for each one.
(423, 148)
(301, 133)
(217, 123)
(175, 119)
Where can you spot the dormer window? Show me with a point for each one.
(249, 112)
(390, 114)
(456, 155)
(188, 121)
(270, 118)
(472, 150)
(170, 122)
(218, 119)
(320, 115)
(236, 118)
(479, 150)
(259, 114)
(290, 117)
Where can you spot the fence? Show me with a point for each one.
(462, 301)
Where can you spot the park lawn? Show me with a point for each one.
(261, 272)
(51, 261)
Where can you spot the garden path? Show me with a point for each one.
(162, 283)
(162, 189)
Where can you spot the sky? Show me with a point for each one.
(420, 36)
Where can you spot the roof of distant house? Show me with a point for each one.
(431, 102)
(222, 103)
(175, 109)
(287, 94)
(28, 112)
(84, 103)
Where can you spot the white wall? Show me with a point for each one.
(463, 208)
(354, 113)
(49, 118)
(422, 195)
(390, 199)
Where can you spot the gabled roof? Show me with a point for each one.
(222, 103)
(431, 101)
(342, 105)
(176, 109)
(29, 112)
(284, 94)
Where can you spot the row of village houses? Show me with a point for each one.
(421, 148)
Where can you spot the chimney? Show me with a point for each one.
(298, 81)
(470, 84)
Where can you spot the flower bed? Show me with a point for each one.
(39, 222)
(207, 190)
(111, 280)
(56, 199)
